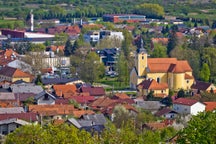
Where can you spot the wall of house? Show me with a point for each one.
(7, 128)
(196, 108)
(141, 63)
(179, 81)
(182, 109)
(2, 77)
(162, 76)
(133, 79)
(26, 79)
(42, 101)
(56, 61)
(165, 92)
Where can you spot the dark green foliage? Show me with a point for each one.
(200, 129)
(68, 48)
(181, 93)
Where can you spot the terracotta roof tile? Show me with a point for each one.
(24, 116)
(83, 99)
(63, 90)
(187, 76)
(210, 106)
(94, 91)
(79, 113)
(121, 96)
(51, 110)
(102, 102)
(185, 101)
(151, 84)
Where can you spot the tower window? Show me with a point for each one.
(158, 80)
(142, 57)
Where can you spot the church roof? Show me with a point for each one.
(152, 85)
(157, 65)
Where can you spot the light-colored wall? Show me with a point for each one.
(26, 79)
(196, 108)
(181, 109)
(162, 76)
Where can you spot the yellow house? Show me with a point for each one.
(14, 74)
(177, 74)
(159, 89)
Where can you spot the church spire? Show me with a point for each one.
(141, 49)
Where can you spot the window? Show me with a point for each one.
(187, 81)
(158, 80)
(162, 91)
(46, 97)
(142, 57)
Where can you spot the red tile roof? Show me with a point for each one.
(55, 48)
(151, 84)
(157, 65)
(64, 90)
(51, 110)
(93, 91)
(121, 96)
(14, 72)
(102, 102)
(79, 113)
(163, 41)
(185, 101)
(210, 106)
(83, 99)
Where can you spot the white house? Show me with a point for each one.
(45, 98)
(188, 106)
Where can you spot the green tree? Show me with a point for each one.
(200, 129)
(68, 48)
(92, 69)
(60, 38)
(181, 93)
(159, 51)
(205, 72)
(172, 43)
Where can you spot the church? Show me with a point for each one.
(164, 73)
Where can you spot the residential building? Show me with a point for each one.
(93, 91)
(14, 74)
(210, 106)
(11, 110)
(177, 74)
(199, 86)
(65, 90)
(26, 88)
(159, 89)
(7, 99)
(45, 98)
(9, 125)
(188, 106)
(166, 113)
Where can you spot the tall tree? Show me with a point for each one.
(205, 72)
(172, 43)
(68, 48)
(92, 69)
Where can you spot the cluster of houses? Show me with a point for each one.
(69, 100)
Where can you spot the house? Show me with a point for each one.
(118, 18)
(29, 116)
(162, 41)
(210, 106)
(19, 64)
(45, 98)
(14, 74)
(102, 103)
(199, 86)
(93, 91)
(53, 111)
(177, 74)
(166, 113)
(8, 100)
(120, 96)
(154, 125)
(152, 106)
(79, 113)
(9, 125)
(90, 123)
(65, 90)
(188, 106)
(109, 57)
(159, 89)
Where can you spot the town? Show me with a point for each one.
(119, 78)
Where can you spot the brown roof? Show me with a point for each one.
(157, 65)
(79, 113)
(63, 90)
(93, 91)
(187, 76)
(24, 116)
(201, 85)
(122, 96)
(51, 110)
(155, 125)
(151, 84)
(55, 48)
(102, 102)
(13, 72)
(185, 101)
(160, 40)
(164, 111)
(210, 106)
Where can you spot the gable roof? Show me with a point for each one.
(201, 85)
(30, 117)
(149, 105)
(61, 90)
(13, 120)
(164, 111)
(79, 113)
(13, 72)
(52, 110)
(102, 102)
(157, 65)
(82, 99)
(210, 106)
(11, 110)
(151, 84)
(94, 91)
(98, 119)
(26, 88)
(7, 96)
(121, 96)
(185, 101)
(47, 81)
(44, 93)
